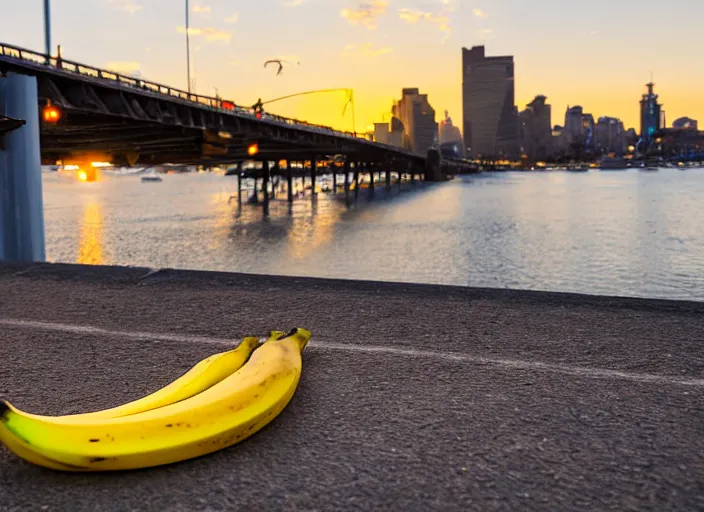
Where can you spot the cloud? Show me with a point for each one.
(479, 13)
(210, 34)
(130, 6)
(448, 5)
(202, 9)
(366, 14)
(415, 16)
(441, 20)
(232, 19)
(131, 68)
(293, 3)
(365, 50)
(485, 34)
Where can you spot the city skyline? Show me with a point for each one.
(379, 47)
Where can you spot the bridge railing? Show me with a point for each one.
(121, 80)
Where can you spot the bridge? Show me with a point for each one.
(89, 111)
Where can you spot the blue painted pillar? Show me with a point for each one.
(21, 203)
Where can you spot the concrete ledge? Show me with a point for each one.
(413, 397)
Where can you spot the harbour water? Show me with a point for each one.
(627, 233)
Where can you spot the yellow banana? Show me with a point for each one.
(226, 413)
(203, 375)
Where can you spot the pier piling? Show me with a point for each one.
(289, 181)
(21, 204)
(265, 185)
(312, 176)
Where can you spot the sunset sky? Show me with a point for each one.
(598, 54)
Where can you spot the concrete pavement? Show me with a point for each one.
(413, 397)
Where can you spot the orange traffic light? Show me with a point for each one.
(51, 114)
(253, 149)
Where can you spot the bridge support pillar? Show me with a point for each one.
(312, 175)
(239, 182)
(347, 180)
(356, 180)
(334, 178)
(265, 185)
(433, 169)
(388, 179)
(273, 174)
(21, 203)
(289, 181)
(370, 168)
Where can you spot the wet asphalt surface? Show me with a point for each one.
(413, 397)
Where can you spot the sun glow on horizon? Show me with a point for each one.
(378, 47)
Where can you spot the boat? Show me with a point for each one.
(152, 177)
(612, 163)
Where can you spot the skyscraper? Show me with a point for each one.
(610, 135)
(535, 129)
(448, 131)
(578, 132)
(685, 123)
(650, 116)
(488, 97)
(418, 118)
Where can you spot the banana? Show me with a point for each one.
(226, 413)
(203, 375)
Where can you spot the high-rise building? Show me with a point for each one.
(448, 131)
(559, 141)
(685, 123)
(578, 132)
(610, 135)
(650, 115)
(418, 119)
(535, 129)
(488, 97)
(396, 132)
(381, 132)
(390, 133)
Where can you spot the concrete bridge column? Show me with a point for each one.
(21, 202)
(334, 178)
(239, 182)
(347, 179)
(289, 181)
(388, 178)
(256, 191)
(312, 175)
(272, 177)
(370, 167)
(265, 185)
(356, 180)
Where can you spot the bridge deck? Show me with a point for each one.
(413, 397)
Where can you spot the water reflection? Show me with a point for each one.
(624, 233)
(90, 244)
(312, 228)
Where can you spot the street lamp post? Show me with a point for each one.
(188, 48)
(47, 29)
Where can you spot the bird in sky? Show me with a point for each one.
(275, 61)
(280, 62)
